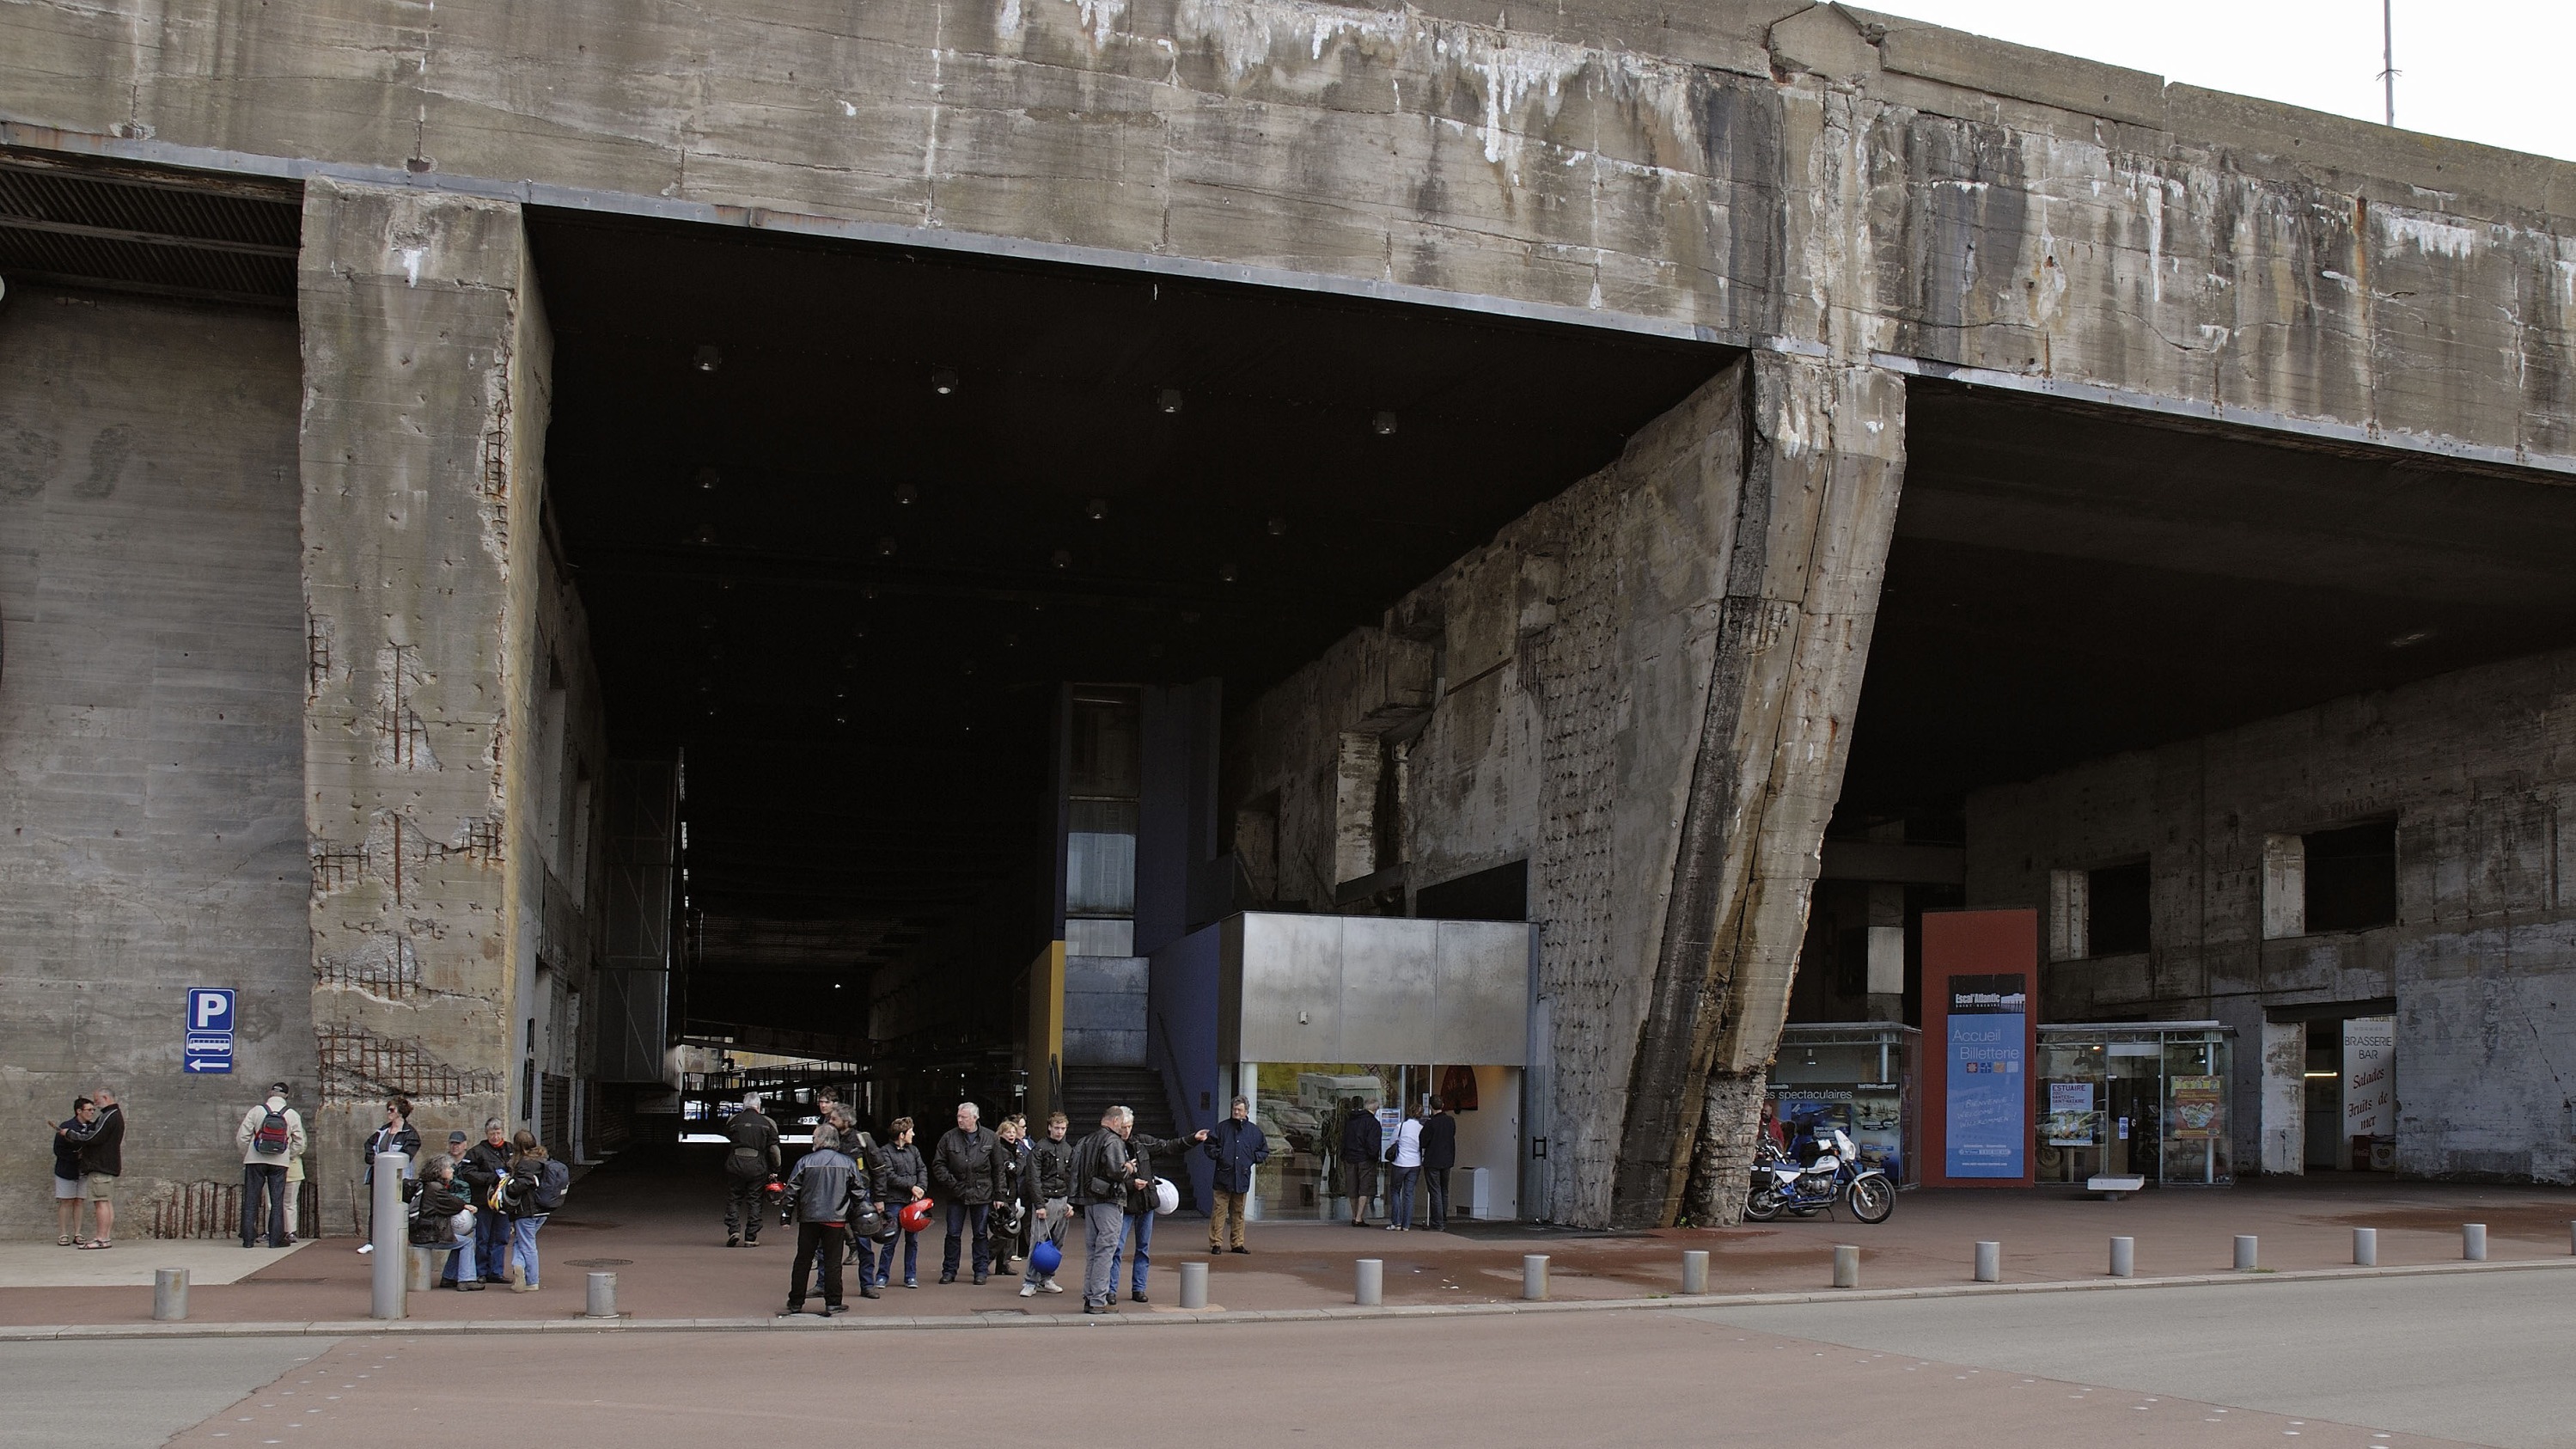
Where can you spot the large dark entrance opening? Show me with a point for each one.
(2166, 686)
(849, 521)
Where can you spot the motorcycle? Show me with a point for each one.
(1781, 1186)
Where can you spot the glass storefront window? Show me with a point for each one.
(1302, 1107)
(1859, 1076)
(2135, 1100)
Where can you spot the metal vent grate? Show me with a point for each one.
(222, 241)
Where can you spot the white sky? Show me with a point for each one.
(2493, 71)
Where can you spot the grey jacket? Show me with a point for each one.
(821, 1186)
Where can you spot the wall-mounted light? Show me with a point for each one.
(706, 479)
(1063, 558)
(707, 358)
(885, 546)
(1383, 424)
(943, 380)
(1096, 510)
(1277, 526)
(2410, 638)
(906, 493)
(1169, 400)
(1225, 572)
(706, 534)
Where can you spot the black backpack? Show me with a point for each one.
(554, 1182)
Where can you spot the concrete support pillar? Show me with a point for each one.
(425, 367)
(2285, 1097)
(1805, 551)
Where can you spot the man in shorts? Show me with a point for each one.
(102, 1161)
(67, 1173)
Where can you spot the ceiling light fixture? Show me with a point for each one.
(885, 546)
(707, 479)
(1278, 526)
(2410, 639)
(1096, 510)
(1063, 558)
(1225, 572)
(907, 494)
(707, 358)
(943, 380)
(1383, 424)
(1169, 400)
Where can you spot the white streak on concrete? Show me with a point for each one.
(2429, 236)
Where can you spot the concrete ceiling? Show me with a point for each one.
(2068, 583)
(851, 596)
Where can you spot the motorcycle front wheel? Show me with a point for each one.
(1762, 1205)
(1871, 1199)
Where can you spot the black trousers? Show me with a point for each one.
(823, 1241)
(1438, 1178)
(744, 1204)
(263, 1179)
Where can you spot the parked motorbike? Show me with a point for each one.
(1782, 1187)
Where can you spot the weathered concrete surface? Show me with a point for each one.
(421, 443)
(150, 760)
(1823, 174)
(2482, 960)
(1808, 545)
(1645, 692)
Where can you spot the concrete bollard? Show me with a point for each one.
(1695, 1271)
(1370, 1289)
(1194, 1285)
(603, 1296)
(1990, 1262)
(2124, 1257)
(169, 1295)
(2473, 1242)
(1534, 1277)
(389, 1270)
(2365, 1247)
(2244, 1252)
(1846, 1266)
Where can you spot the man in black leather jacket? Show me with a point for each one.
(969, 1170)
(1046, 1189)
(750, 1162)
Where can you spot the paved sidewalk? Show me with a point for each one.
(655, 1219)
(211, 1262)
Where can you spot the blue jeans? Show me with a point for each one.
(523, 1245)
(1399, 1199)
(489, 1257)
(911, 1259)
(1140, 1226)
(963, 1216)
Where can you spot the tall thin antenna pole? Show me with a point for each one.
(2388, 55)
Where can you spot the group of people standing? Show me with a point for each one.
(483, 1203)
(1422, 1153)
(1005, 1197)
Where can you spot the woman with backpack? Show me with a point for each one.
(536, 1188)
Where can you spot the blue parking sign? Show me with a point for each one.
(210, 1008)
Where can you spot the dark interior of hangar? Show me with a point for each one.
(2065, 585)
(847, 519)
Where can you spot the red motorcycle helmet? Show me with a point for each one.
(915, 1215)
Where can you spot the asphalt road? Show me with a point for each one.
(2357, 1364)
(131, 1395)
(2486, 1358)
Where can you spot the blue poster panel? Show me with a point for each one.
(1989, 1096)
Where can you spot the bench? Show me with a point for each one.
(2114, 1188)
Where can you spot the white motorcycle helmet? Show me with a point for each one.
(1167, 1198)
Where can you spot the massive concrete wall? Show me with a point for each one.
(2479, 769)
(1643, 688)
(424, 410)
(1814, 178)
(150, 751)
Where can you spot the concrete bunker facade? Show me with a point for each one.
(1644, 690)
